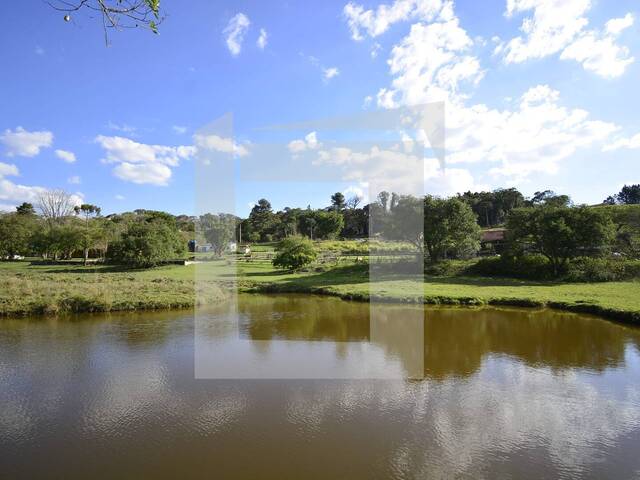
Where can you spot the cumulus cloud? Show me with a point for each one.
(598, 52)
(8, 170)
(22, 143)
(329, 73)
(262, 39)
(180, 130)
(559, 26)
(375, 22)
(430, 64)
(309, 142)
(632, 143)
(219, 144)
(66, 156)
(12, 194)
(140, 162)
(615, 26)
(143, 173)
(360, 191)
(235, 32)
(434, 62)
(395, 169)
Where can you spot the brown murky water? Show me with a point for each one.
(505, 394)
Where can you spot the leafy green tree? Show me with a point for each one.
(439, 227)
(338, 202)
(450, 228)
(16, 231)
(294, 252)
(25, 209)
(550, 199)
(560, 233)
(383, 200)
(329, 224)
(356, 222)
(262, 219)
(64, 239)
(628, 195)
(404, 222)
(492, 207)
(309, 222)
(219, 230)
(91, 233)
(147, 244)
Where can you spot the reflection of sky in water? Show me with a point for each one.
(106, 395)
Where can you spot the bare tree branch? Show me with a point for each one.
(116, 14)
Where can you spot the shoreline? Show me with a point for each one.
(30, 289)
(75, 306)
(626, 317)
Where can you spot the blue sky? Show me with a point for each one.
(538, 94)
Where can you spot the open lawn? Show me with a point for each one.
(34, 288)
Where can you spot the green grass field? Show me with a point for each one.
(33, 288)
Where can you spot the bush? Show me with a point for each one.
(294, 253)
(447, 268)
(532, 267)
(147, 244)
(588, 269)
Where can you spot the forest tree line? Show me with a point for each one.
(55, 228)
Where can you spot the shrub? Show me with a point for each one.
(533, 267)
(147, 244)
(447, 268)
(294, 253)
(588, 269)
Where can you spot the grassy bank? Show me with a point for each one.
(614, 300)
(31, 288)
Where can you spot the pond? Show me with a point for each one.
(502, 393)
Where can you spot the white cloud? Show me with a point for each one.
(329, 73)
(375, 22)
(180, 130)
(22, 143)
(12, 194)
(429, 64)
(554, 24)
(558, 26)
(262, 39)
(434, 63)
(8, 169)
(143, 173)
(142, 163)
(65, 155)
(219, 144)
(235, 32)
(598, 51)
(310, 142)
(632, 143)
(75, 180)
(534, 137)
(615, 26)
(360, 190)
(375, 50)
(119, 197)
